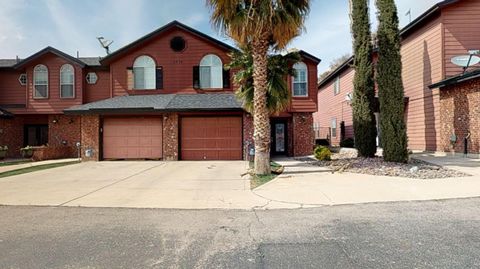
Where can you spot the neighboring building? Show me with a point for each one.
(165, 96)
(446, 30)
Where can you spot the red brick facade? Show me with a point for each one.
(90, 138)
(170, 137)
(303, 139)
(460, 115)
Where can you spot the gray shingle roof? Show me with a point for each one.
(7, 62)
(160, 102)
(90, 61)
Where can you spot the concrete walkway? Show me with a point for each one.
(324, 188)
(12, 167)
(467, 165)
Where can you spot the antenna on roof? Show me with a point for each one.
(105, 43)
(409, 14)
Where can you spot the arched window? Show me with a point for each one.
(300, 80)
(211, 72)
(144, 73)
(67, 81)
(40, 81)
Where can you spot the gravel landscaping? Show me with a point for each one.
(347, 161)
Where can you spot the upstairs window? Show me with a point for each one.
(336, 86)
(91, 78)
(300, 80)
(144, 73)
(211, 72)
(40, 81)
(67, 81)
(23, 79)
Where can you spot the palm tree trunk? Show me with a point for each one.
(261, 117)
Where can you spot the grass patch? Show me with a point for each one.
(14, 162)
(259, 180)
(35, 168)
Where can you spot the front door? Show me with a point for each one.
(279, 138)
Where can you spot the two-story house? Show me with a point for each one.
(164, 96)
(436, 119)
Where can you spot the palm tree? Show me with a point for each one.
(263, 24)
(279, 67)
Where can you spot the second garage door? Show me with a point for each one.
(132, 138)
(211, 138)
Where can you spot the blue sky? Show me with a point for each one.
(27, 26)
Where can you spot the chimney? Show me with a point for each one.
(18, 59)
(78, 54)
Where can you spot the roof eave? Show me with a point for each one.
(107, 59)
(44, 51)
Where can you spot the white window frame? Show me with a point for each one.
(64, 69)
(333, 126)
(300, 67)
(149, 73)
(35, 83)
(90, 76)
(336, 86)
(215, 64)
(23, 76)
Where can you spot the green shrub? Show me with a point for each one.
(322, 153)
(347, 143)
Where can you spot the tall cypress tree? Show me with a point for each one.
(390, 86)
(364, 123)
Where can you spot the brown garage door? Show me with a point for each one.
(132, 138)
(211, 138)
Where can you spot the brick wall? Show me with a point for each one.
(460, 114)
(170, 137)
(11, 135)
(90, 136)
(64, 131)
(303, 136)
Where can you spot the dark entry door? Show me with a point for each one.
(279, 137)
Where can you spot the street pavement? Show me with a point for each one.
(431, 234)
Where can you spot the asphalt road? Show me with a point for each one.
(441, 234)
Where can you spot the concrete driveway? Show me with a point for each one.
(134, 184)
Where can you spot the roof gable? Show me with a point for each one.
(45, 51)
(139, 42)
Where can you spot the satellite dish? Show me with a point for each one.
(105, 43)
(466, 60)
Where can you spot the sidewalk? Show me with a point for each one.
(7, 168)
(307, 189)
(467, 165)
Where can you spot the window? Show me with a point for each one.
(40, 79)
(91, 78)
(67, 81)
(333, 127)
(300, 82)
(211, 72)
(144, 73)
(35, 135)
(23, 79)
(336, 86)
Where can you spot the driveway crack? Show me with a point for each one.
(111, 184)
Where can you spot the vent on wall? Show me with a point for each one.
(177, 44)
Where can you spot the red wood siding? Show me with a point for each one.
(11, 92)
(422, 66)
(309, 103)
(53, 104)
(461, 25)
(99, 90)
(177, 67)
(335, 106)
